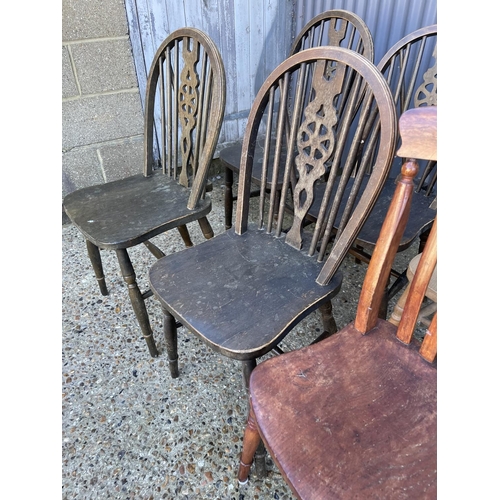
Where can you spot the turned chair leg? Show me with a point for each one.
(398, 308)
(228, 197)
(170, 332)
(183, 231)
(95, 260)
(329, 324)
(251, 442)
(137, 300)
(259, 453)
(206, 228)
(327, 318)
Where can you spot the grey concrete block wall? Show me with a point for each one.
(102, 116)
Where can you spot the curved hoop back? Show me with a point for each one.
(185, 104)
(410, 68)
(339, 28)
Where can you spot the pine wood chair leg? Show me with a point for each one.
(228, 197)
(206, 228)
(137, 300)
(398, 308)
(170, 332)
(251, 442)
(95, 260)
(183, 231)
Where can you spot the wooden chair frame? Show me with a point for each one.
(184, 108)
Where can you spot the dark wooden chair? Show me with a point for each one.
(339, 28)
(410, 68)
(242, 291)
(354, 416)
(184, 108)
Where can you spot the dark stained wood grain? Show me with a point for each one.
(126, 212)
(240, 294)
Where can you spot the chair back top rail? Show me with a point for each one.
(337, 27)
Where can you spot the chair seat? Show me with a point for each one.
(420, 219)
(335, 415)
(127, 212)
(271, 282)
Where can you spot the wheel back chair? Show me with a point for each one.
(184, 108)
(410, 68)
(244, 290)
(354, 416)
(339, 28)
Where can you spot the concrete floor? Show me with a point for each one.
(129, 430)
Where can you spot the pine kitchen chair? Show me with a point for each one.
(340, 28)
(355, 415)
(184, 108)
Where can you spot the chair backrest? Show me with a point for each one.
(339, 28)
(418, 130)
(310, 84)
(184, 106)
(410, 68)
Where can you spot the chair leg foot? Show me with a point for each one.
(251, 442)
(206, 228)
(186, 238)
(95, 260)
(137, 300)
(170, 332)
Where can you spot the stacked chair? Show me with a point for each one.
(337, 27)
